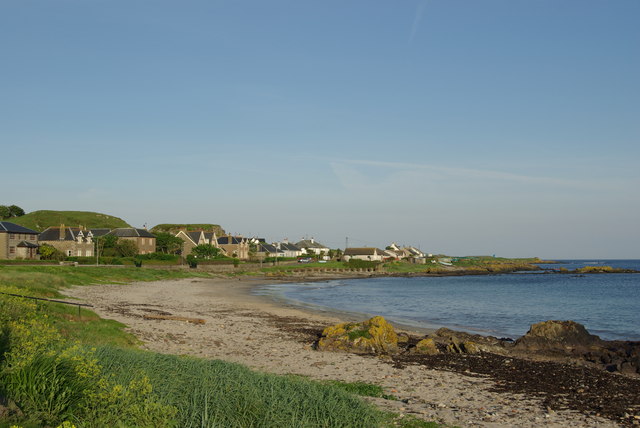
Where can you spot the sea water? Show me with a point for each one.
(499, 305)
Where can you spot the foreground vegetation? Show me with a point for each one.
(58, 365)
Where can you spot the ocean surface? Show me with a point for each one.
(499, 305)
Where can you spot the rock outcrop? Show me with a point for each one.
(557, 335)
(465, 343)
(550, 340)
(372, 336)
(426, 347)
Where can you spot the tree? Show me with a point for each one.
(205, 251)
(10, 211)
(168, 243)
(126, 248)
(16, 211)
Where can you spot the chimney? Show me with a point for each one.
(312, 241)
(62, 234)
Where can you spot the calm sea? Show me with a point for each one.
(498, 305)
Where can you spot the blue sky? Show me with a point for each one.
(463, 127)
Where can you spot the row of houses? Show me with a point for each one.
(244, 248)
(392, 252)
(20, 242)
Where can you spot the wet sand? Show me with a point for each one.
(275, 337)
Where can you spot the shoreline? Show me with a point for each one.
(275, 337)
(420, 326)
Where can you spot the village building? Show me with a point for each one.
(371, 254)
(194, 238)
(145, 241)
(264, 250)
(234, 246)
(71, 241)
(288, 249)
(17, 242)
(310, 246)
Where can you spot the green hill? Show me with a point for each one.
(40, 220)
(175, 228)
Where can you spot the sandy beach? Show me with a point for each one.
(278, 338)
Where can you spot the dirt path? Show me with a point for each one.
(254, 331)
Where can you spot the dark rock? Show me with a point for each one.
(549, 335)
(455, 342)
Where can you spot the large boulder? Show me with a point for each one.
(557, 335)
(372, 336)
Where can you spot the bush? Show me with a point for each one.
(48, 252)
(192, 261)
(52, 380)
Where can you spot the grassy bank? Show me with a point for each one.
(59, 365)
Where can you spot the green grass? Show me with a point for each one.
(361, 388)
(40, 220)
(47, 281)
(216, 393)
(204, 392)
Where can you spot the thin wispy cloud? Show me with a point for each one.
(417, 20)
(448, 173)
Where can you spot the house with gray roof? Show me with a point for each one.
(311, 246)
(145, 241)
(289, 249)
(371, 254)
(71, 241)
(234, 246)
(17, 242)
(194, 238)
(268, 250)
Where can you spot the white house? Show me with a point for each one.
(310, 246)
(371, 254)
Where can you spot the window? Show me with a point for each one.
(12, 236)
(32, 237)
(12, 250)
(68, 253)
(89, 253)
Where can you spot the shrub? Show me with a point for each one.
(47, 388)
(48, 252)
(192, 261)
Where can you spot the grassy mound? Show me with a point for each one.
(40, 220)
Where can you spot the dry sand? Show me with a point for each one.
(275, 337)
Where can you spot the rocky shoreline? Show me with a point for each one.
(558, 361)
(482, 389)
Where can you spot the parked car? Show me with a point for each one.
(305, 260)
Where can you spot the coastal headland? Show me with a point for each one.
(487, 389)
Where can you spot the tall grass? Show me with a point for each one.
(219, 394)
